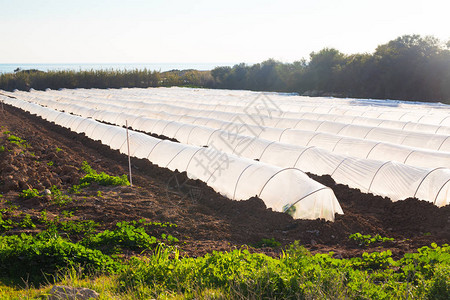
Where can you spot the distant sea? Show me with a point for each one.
(9, 68)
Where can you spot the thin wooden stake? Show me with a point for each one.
(129, 159)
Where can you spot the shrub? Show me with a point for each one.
(35, 257)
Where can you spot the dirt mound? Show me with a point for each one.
(206, 220)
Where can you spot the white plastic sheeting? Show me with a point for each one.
(282, 189)
(394, 180)
(366, 150)
(186, 129)
(381, 113)
(438, 140)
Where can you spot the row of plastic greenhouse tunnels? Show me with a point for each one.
(244, 144)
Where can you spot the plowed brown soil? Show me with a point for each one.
(206, 221)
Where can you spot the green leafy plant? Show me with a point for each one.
(365, 240)
(143, 222)
(6, 225)
(27, 222)
(29, 193)
(373, 261)
(67, 214)
(126, 236)
(73, 228)
(267, 243)
(290, 209)
(76, 189)
(70, 228)
(59, 197)
(424, 261)
(18, 141)
(43, 217)
(10, 208)
(37, 257)
(50, 163)
(101, 178)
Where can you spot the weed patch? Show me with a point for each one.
(100, 178)
(17, 141)
(366, 240)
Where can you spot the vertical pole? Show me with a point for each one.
(129, 159)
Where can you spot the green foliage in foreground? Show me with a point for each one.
(40, 257)
(237, 274)
(295, 275)
(35, 257)
(160, 271)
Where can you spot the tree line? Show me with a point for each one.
(410, 67)
(39, 80)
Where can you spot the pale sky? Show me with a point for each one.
(152, 31)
